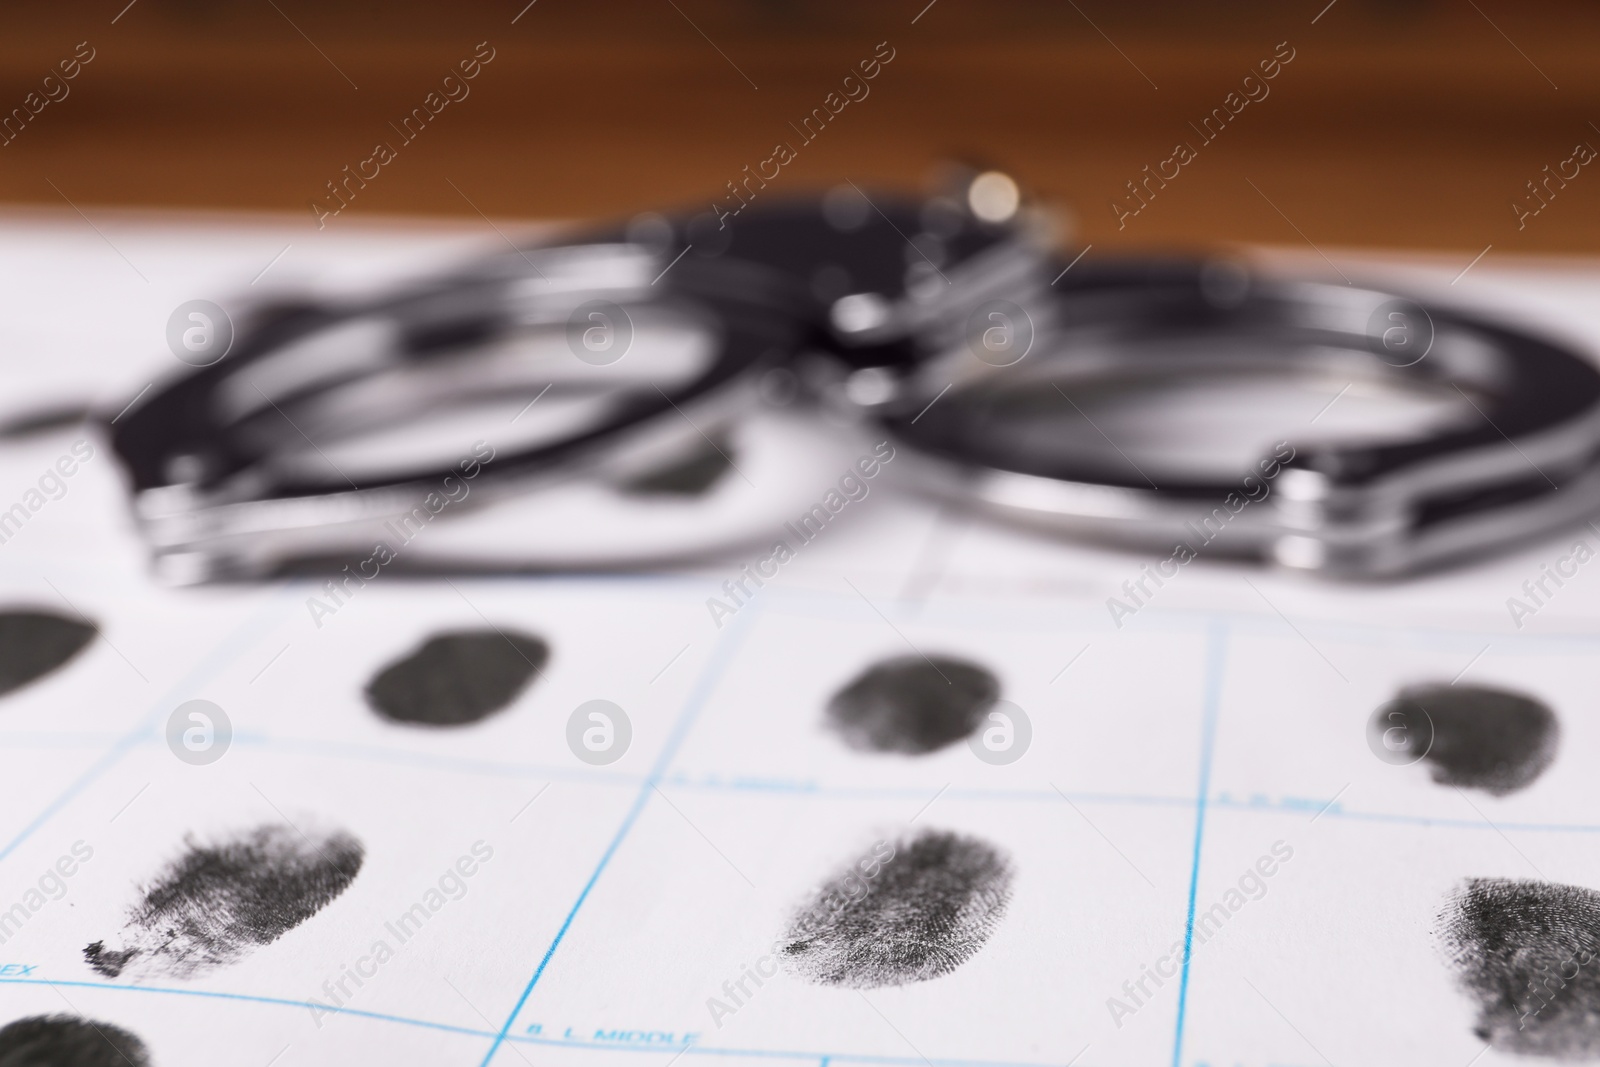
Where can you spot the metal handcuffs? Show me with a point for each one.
(636, 356)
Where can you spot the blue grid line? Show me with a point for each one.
(528, 1039)
(823, 791)
(220, 655)
(782, 1054)
(411, 758)
(251, 999)
(709, 676)
(1216, 656)
(1455, 824)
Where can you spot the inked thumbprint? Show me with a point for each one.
(218, 902)
(34, 643)
(913, 909)
(457, 678)
(69, 1041)
(1529, 953)
(913, 705)
(1482, 738)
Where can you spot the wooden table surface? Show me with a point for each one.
(1402, 125)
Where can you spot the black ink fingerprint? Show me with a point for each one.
(217, 902)
(1529, 953)
(927, 910)
(34, 643)
(457, 678)
(69, 1041)
(913, 705)
(1484, 738)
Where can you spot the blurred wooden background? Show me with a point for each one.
(1400, 123)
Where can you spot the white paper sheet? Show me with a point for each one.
(1223, 724)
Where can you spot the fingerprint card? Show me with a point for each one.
(586, 821)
